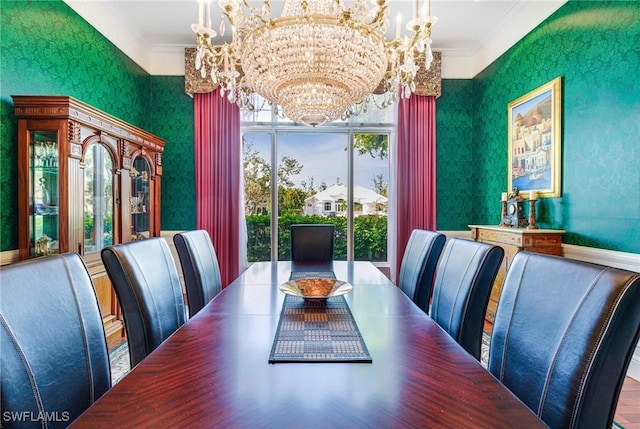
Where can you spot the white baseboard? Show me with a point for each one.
(610, 258)
(457, 234)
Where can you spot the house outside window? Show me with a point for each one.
(338, 173)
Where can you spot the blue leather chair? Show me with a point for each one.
(200, 268)
(145, 279)
(418, 265)
(462, 288)
(312, 242)
(563, 337)
(53, 353)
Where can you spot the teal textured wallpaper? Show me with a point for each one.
(454, 155)
(595, 47)
(48, 49)
(172, 115)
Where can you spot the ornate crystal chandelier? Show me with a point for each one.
(319, 61)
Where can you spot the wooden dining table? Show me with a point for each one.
(215, 371)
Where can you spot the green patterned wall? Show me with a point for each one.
(595, 47)
(48, 49)
(173, 120)
(454, 155)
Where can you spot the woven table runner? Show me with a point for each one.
(295, 275)
(317, 331)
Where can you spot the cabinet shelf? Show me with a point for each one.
(48, 170)
(45, 214)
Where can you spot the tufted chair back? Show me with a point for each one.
(464, 280)
(563, 337)
(53, 353)
(312, 242)
(199, 267)
(145, 278)
(418, 265)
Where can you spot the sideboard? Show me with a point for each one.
(514, 240)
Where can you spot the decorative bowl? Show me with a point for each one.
(316, 287)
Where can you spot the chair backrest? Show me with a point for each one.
(145, 279)
(312, 242)
(53, 352)
(462, 288)
(200, 268)
(563, 337)
(418, 265)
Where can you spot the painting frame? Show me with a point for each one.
(535, 141)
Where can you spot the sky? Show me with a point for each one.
(322, 156)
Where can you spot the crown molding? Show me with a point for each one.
(168, 60)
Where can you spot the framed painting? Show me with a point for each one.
(535, 146)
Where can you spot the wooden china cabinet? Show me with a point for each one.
(86, 180)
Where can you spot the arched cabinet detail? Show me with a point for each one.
(79, 175)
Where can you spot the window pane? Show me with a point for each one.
(371, 181)
(256, 150)
(312, 185)
(260, 113)
(98, 198)
(374, 115)
(139, 200)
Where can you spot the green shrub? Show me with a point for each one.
(370, 236)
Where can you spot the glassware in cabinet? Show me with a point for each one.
(44, 228)
(140, 198)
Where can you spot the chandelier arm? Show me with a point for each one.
(414, 39)
(378, 19)
(256, 12)
(246, 27)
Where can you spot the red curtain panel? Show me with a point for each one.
(416, 169)
(217, 173)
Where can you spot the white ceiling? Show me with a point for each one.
(469, 33)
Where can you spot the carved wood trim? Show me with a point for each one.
(61, 107)
(193, 80)
(429, 82)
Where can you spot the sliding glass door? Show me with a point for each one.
(335, 174)
(256, 161)
(339, 178)
(370, 196)
(312, 176)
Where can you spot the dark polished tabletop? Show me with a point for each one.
(214, 371)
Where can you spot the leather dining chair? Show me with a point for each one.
(145, 278)
(53, 352)
(464, 279)
(200, 268)
(418, 265)
(563, 337)
(312, 242)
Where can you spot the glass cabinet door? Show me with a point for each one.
(98, 198)
(139, 200)
(43, 193)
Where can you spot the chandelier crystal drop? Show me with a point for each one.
(319, 61)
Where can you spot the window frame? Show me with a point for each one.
(350, 127)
